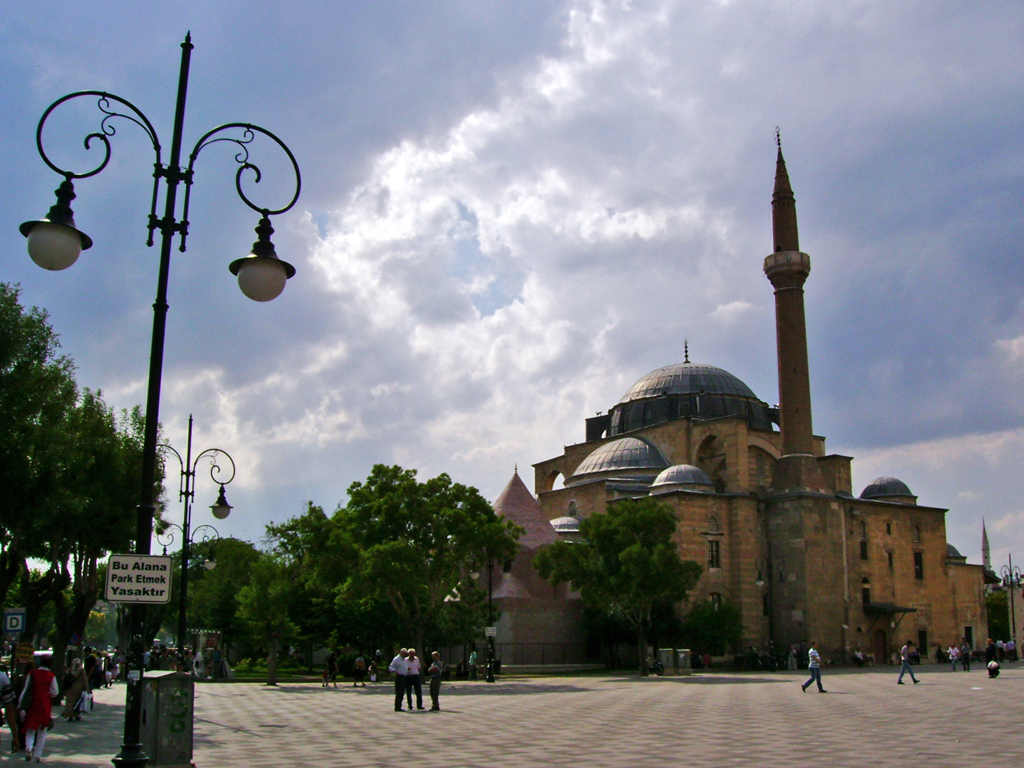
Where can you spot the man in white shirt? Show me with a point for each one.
(814, 665)
(412, 680)
(400, 667)
(905, 663)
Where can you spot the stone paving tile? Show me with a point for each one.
(720, 719)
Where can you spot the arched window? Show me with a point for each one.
(716, 599)
(713, 525)
(917, 534)
(865, 591)
(714, 554)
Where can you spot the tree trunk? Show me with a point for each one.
(11, 566)
(641, 648)
(272, 662)
(36, 594)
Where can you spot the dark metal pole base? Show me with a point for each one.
(131, 756)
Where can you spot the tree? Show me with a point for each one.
(713, 629)
(625, 564)
(263, 606)
(212, 595)
(37, 392)
(998, 614)
(105, 462)
(414, 545)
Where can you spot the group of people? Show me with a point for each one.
(360, 669)
(408, 669)
(27, 701)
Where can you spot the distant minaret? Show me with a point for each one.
(986, 556)
(787, 268)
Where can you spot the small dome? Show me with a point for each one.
(566, 524)
(953, 552)
(682, 477)
(886, 487)
(627, 453)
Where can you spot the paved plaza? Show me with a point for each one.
(717, 719)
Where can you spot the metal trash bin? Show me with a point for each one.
(167, 718)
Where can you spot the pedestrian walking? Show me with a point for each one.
(814, 665)
(75, 686)
(330, 670)
(359, 671)
(1011, 651)
(34, 706)
(7, 702)
(966, 652)
(436, 670)
(400, 667)
(472, 665)
(905, 654)
(954, 655)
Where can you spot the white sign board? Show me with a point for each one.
(139, 579)
(490, 631)
(14, 620)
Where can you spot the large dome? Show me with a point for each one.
(685, 379)
(628, 454)
(688, 390)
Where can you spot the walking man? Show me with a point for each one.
(814, 665)
(905, 653)
(472, 665)
(966, 652)
(400, 667)
(435, 671)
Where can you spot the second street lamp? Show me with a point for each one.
(222, 472)
(55, 242)
(1011, 580)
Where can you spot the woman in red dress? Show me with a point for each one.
(36, 713)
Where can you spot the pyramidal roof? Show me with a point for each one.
(517, 504)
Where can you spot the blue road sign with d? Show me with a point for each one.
(14, 620)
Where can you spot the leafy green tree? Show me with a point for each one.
(106, 460)
(212, 595)
(625, 564)
(414, 546)
(263, 606)
(37, 393)
(713, 629)
(998, 614)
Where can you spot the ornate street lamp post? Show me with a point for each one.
(1011, 578)
(55, 243)
(204, 533)
(490, 621)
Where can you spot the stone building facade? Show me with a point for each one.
(761, 505)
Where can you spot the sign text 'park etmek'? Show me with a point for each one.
(139, 579)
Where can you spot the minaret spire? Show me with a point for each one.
(787, 268)
(986, 554)
(784, 229)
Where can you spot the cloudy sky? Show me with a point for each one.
(513, 210)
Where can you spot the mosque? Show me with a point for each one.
(759, 503)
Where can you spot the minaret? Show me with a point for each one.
(787, 269)
(986, 555)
